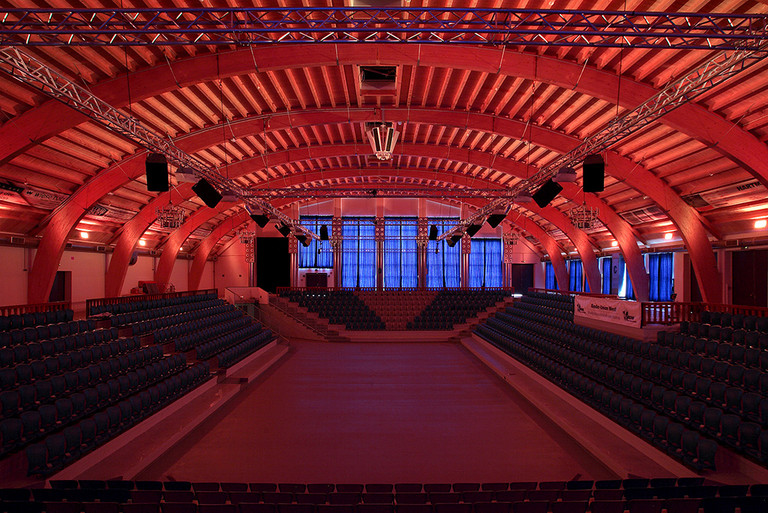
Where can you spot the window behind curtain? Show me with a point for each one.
(400, 252)
(358, 252)
(575, 271)
(660, 271)
(625, 290)
(443, 266)
(605, 263)
(309, 256)
(550, 282)
(485, 266)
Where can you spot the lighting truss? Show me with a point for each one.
(510, 238)
(711, 73)
(368, 191)
(38, 75)
(247, 26)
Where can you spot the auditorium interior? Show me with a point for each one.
(384, 256)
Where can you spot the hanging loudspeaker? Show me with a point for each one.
(594, 173)
(496, 218)
(473, 229)
(433, 232)
(454, 239)
(260, 219)
(284, 229)
(207, 193)
(324, 232)
(547, 193)
(157, 172)
(303, 239)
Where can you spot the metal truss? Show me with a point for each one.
(38, 75)
(377, 190)
(713, 72)
(246, 26)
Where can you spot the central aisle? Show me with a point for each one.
(378, 413)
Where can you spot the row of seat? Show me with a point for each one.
(750, 357)
(62, 362)
(195, 338)
(339, 307)
(50, 417)
(60, 449)
(452, 307)
(34, 350)
(138, 304)
(234, 354)
(193, 321)
(535, 306)
(32, 319)
(738, 321)
(745, 505)
(736, 336)
(45, 332)
(143, 321)
(228, 339)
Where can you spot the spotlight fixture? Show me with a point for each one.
(303, 239)
(565, 174)
(547, 193)
(382, 136)
(284, 229)
(454, 239)
(433, 232)
(84, 235)
(473, 229)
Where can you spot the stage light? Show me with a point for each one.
(473, 229)
(284, 229)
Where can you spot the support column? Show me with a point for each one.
(466, 249)
(337, 253)
(379, 235)
(293, 250)
(509, 240)
(422, 243)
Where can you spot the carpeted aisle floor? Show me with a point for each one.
(378, 413)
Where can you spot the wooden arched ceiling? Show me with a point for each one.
(262, 115)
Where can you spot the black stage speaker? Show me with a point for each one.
(303, 239)
(284, 229)
(260, 219)
(157, 172)
(547, 193)
(495, 220)
(207, 193)
(594, 173)
(324, 232)
(473, 229)
(433, 232)
(453, 240)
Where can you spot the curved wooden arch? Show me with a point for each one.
(691, 230)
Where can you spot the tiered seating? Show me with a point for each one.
(635, 495)
(454, 307)
(397, 308)
(339, 307)
(140, 306)
(203, 324)
(640, 385)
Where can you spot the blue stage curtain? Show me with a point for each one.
(443, 262)
(349, 249)
(309, 257)
(606, 265)
(367, 253)
(575, 271)
(550, 282)
(625, 290)
(485, 263)
(400, 252)
(660, 271)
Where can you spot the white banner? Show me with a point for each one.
(616, 311)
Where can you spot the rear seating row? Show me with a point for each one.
(137, 306)
(45, 332)
(32, 319)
